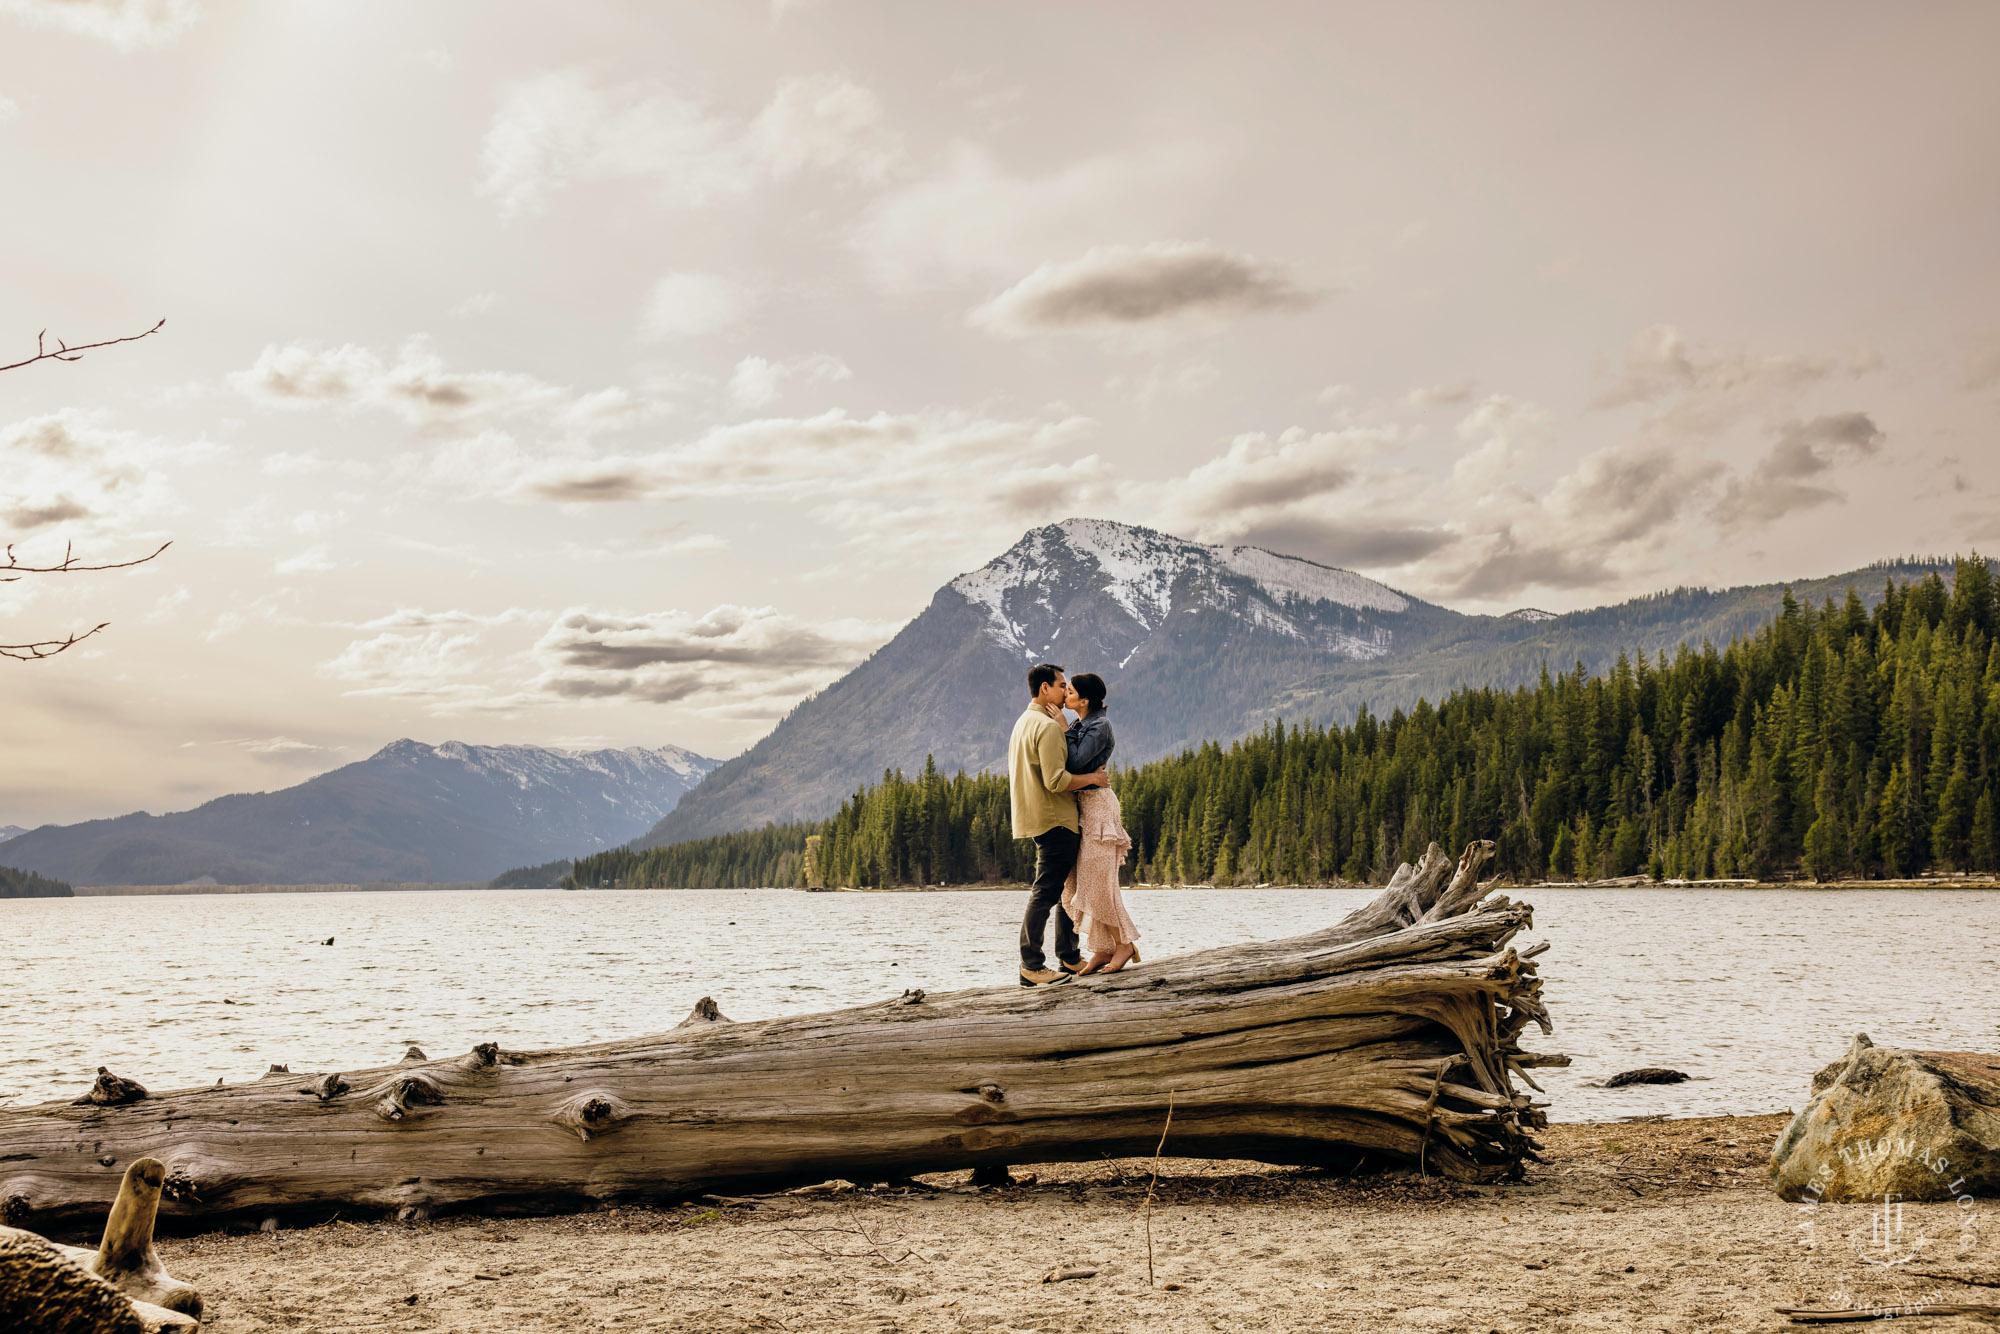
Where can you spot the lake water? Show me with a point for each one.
(1749, 991)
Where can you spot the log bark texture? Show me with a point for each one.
(1390, 1037)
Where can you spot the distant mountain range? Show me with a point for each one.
(8, 831)
(409, 812)
(1196, 643)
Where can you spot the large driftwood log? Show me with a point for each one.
(1390, 1037)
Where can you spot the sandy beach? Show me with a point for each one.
(1632, 1226)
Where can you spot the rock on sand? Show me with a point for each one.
(1883, 1121)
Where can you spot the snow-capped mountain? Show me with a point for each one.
(1194, 641)
(409, 812)
(1030, 593)
(8, 831)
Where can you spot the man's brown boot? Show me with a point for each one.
(1041, 977)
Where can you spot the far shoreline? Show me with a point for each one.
(1946, 882)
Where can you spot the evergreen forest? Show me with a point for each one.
(17, 884)
(1835, 742)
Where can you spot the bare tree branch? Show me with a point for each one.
(12, 571)
(46, 648)
(64, 352)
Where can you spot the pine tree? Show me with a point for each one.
(1561, 854)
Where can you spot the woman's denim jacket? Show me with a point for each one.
(1090, 742)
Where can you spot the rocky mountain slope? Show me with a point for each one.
(1196, 642)
(409, 812)
(1191, 639)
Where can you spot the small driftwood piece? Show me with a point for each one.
(1803, 1315)
(125, 1257)
(1393, 1035)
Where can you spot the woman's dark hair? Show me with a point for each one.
(1042, 674)
(1091, 686)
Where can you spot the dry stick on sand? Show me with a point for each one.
(1808, 1316)
(1154, 1182)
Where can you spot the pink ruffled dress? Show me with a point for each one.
(1091, 896)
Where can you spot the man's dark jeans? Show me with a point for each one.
(1055, 854)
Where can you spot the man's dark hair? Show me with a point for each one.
(1042, 674)
(1091, 686)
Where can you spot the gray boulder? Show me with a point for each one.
(1921, 1125)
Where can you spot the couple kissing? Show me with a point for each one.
(1060, 789)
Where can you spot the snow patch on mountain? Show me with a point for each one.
(673, 768)
(1139, 570)
(1295, 577)
(8, 831)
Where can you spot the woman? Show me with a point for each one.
(1091, 896)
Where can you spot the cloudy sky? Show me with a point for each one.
(619, 373)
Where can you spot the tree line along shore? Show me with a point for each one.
(1837, 743)
(16, 884)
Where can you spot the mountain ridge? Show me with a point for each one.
(410, 812)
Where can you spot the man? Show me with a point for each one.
(1043, 793)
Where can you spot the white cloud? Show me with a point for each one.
(693, 544)
(416, 386)
(862, 473)
(1691, 389)
(559, 128)
(1792, 476)
(973, 220)
(416, 618)
(310, 464)
(726, 658)
(1259, 473)
(823, 121)
(1440, 395)
(1982, 362)
(757, 382)
(125, 24)
(435, 665)
(729, 661)
(168, 605)
(692, 305)
(71, 472)
(1617, 511)
(1120, 288)
(1510, 434)
(474, 306)
(279, 747)
(1158, 382)
(315, 559)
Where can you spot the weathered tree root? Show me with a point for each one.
(125, 1257)
(120, 1287)
(1394, 1034)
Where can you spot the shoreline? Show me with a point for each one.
(1670, 1221)
(1955, 882)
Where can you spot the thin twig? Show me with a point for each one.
(46, 648)
(64, 352)
(12, 571)
(1154, 1182)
